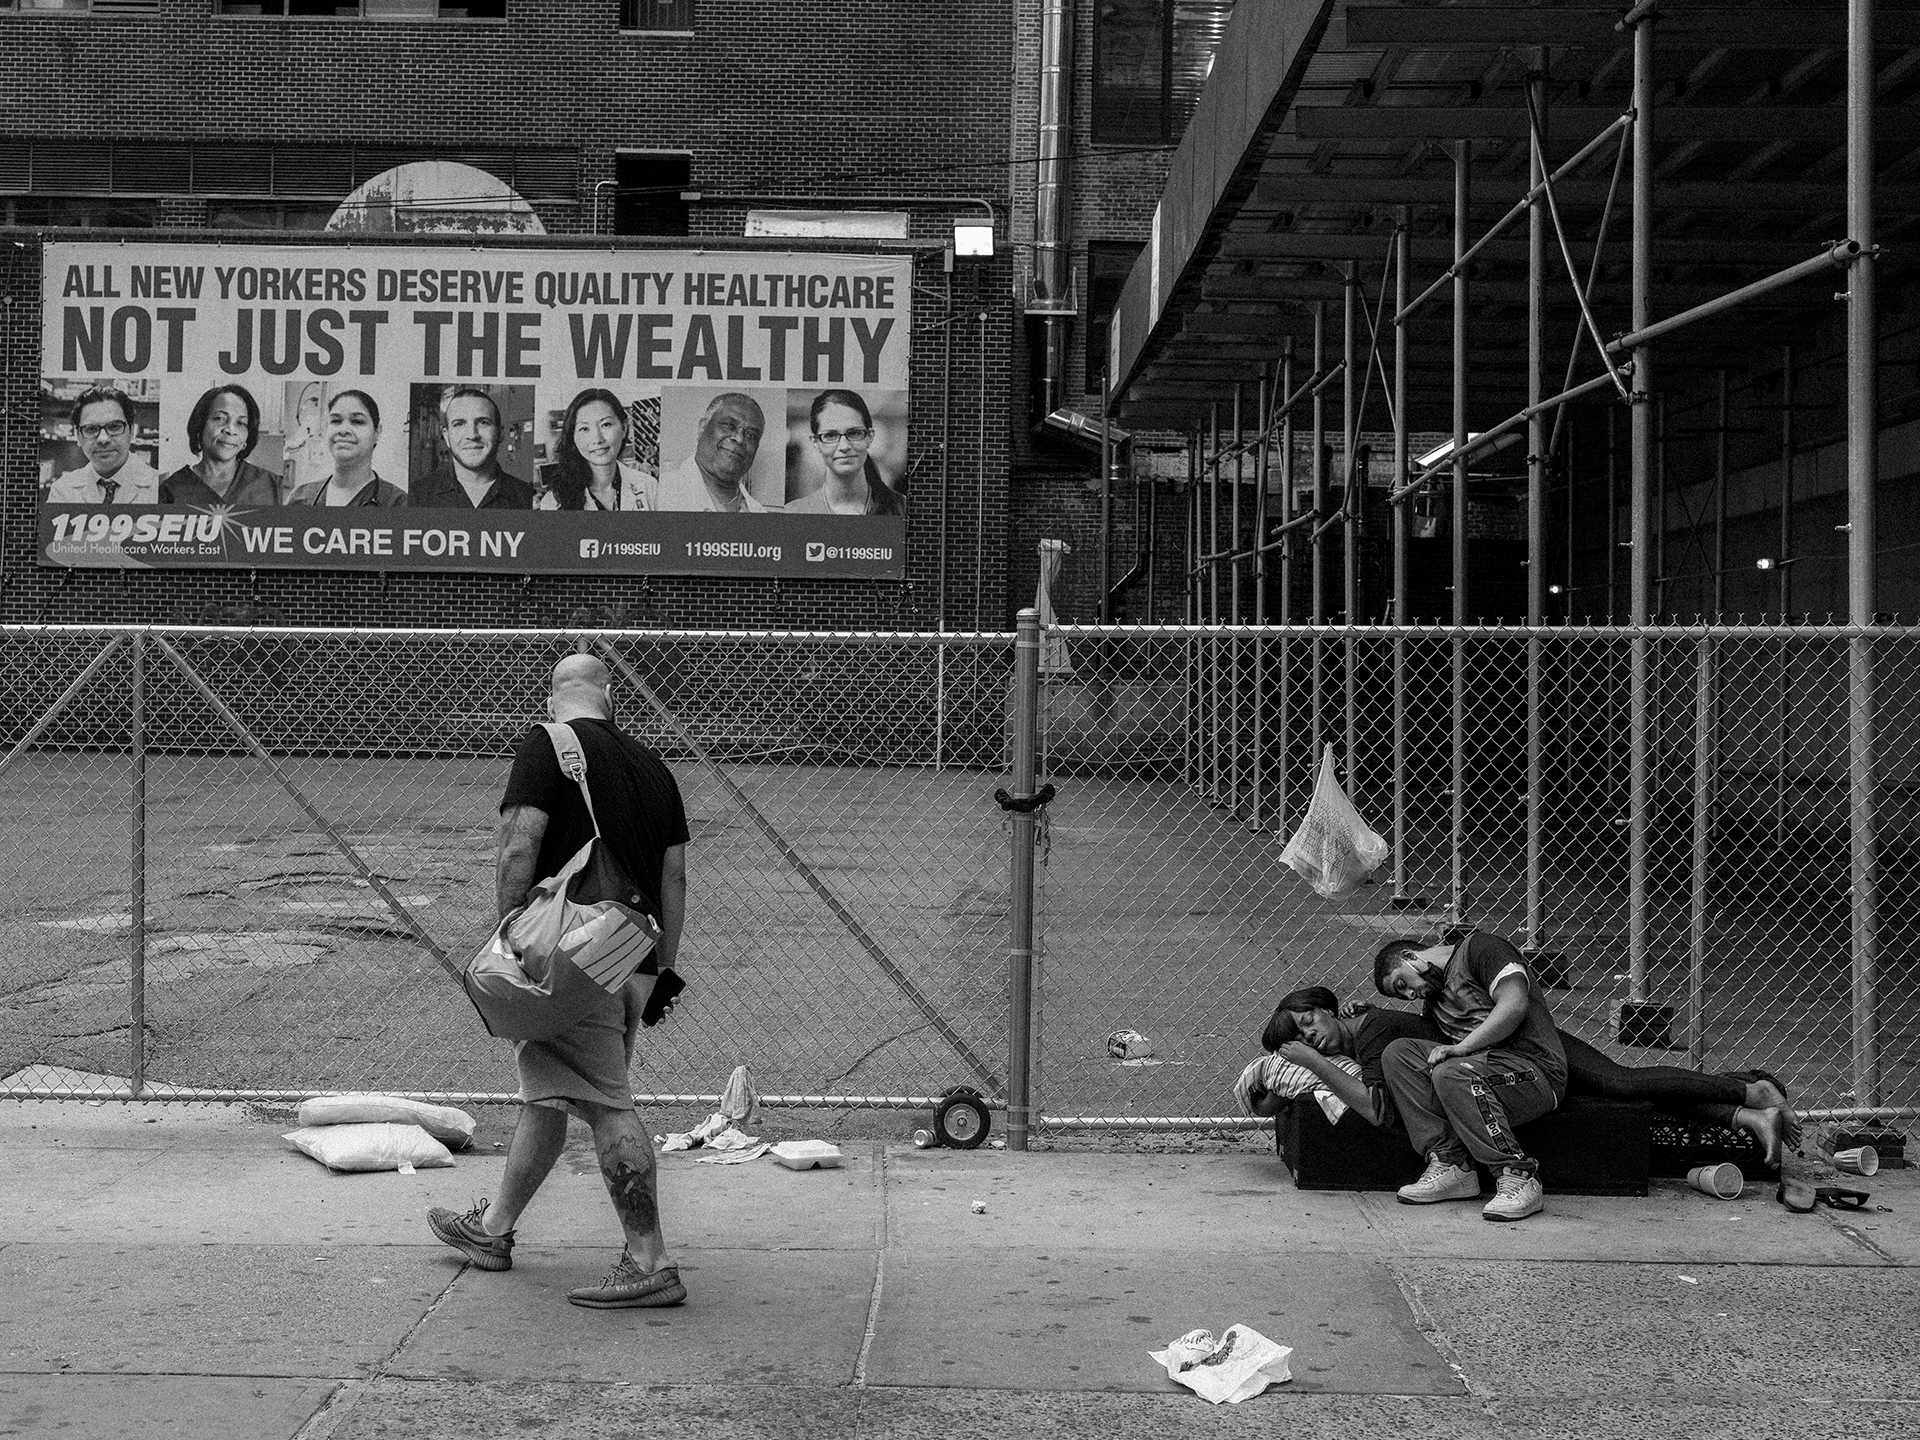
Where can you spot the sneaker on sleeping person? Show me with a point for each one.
(1516, 1195)
(1443, 1181)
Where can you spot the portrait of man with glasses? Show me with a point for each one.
(103, 424)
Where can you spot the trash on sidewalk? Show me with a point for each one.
(1240, 1364)
(807, 1154)
(734, 1157)
(1129, 1045)
(453, 1128)
(979, 1207)
(714, 1125)
(376, 1145)
(739, 1100)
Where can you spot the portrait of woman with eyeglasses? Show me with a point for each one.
(841, 430)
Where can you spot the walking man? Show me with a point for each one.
(543, 821)
(1501, 1066)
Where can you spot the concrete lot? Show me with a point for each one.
(178, 1271)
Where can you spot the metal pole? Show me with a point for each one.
(1190, 569)
(1106, 499)
(1283, 796)
(137, 867)
(1639, 896)
(1660, 517)
(1863, 460)
(1702, 832)
(1263, 415)
(1536, 511)
(1401, 251)
(1234, 731)
(1212, 645)
(1613, 516)
(1317, 613)
(1720, 508)
(1783, 577)
(1457, 887)
(1349, 528)
(1026, 687)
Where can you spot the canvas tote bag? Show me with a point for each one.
(582, 935)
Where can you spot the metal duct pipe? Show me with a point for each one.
(1050, 299)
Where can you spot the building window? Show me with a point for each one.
(367, 9)
(1151, 59)
(80, 7)
(657, 17)
(1109, 262)
(647, 189)
(79, 212)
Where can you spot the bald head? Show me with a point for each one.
(580, 689)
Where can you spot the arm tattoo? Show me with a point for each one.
(521, 829)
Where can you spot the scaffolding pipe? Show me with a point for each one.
(1720, 506)
(137, 871)
(1258, 736)
(1284, 728)
(1317, 613)
(1485, 438)
(1190, 550)
(1349, 533)
(1211, 648)
(1863, 459)
(1783, 576)
(1457, 791)
(1401, 227)
(1843, 255)
(1106, 494)
(1505, 222)
(1639, 896)
(1535, 927)
(1702, 833)
(1235, 732)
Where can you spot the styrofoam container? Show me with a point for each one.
(807, 1154)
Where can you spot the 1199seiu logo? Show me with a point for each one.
(818, 551)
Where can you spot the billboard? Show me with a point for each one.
(521, 411)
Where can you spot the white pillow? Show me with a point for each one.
(370, 1147)
(1284, 1078)
(443, 1122)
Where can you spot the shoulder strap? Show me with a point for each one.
(573, 760)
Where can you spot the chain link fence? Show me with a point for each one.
(1713, 900)
(254, 861)
(249, 861)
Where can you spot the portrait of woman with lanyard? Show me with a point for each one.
(841, 427)
(353, 434)
(587, 472)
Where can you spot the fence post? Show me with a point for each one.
(1026, 697)
(137, 869)
(1703, 762)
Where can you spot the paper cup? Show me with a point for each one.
(1723, 1181)
(1863, 1160)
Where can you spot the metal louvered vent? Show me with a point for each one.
(16, 165)
(72, 167)
(312, 170)
(546, 174)
(232, 170)
(152, 169)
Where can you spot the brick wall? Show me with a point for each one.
(797, 98)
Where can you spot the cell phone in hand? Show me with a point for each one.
(666, 989)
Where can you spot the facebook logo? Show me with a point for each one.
(589, 549)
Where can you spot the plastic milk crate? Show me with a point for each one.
(1586, 1147)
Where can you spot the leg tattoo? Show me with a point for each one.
(628, 1168)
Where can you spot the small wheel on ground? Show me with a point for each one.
(962, 1119)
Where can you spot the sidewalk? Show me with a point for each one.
(176, 1271)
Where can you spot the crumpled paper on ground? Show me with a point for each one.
(1240, 1364)
(716, 1132)
(734, 1157)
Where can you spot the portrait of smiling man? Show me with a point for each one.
(103, 424)
(471, 477)
(714, 476)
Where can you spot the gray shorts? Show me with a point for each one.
(588, 1062)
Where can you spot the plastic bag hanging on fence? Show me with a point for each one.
(1334, 850)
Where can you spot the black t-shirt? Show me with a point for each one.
(634, 794)
(1378, 1029)
(1465, 998)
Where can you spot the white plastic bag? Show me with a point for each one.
(370, 1147)
(1334, 849)
(452, 1127)
(1237, 1366)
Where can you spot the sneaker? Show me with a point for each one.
(1516, 1195)
(1443, 1181)
(465, 1234)
(628, 1287)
